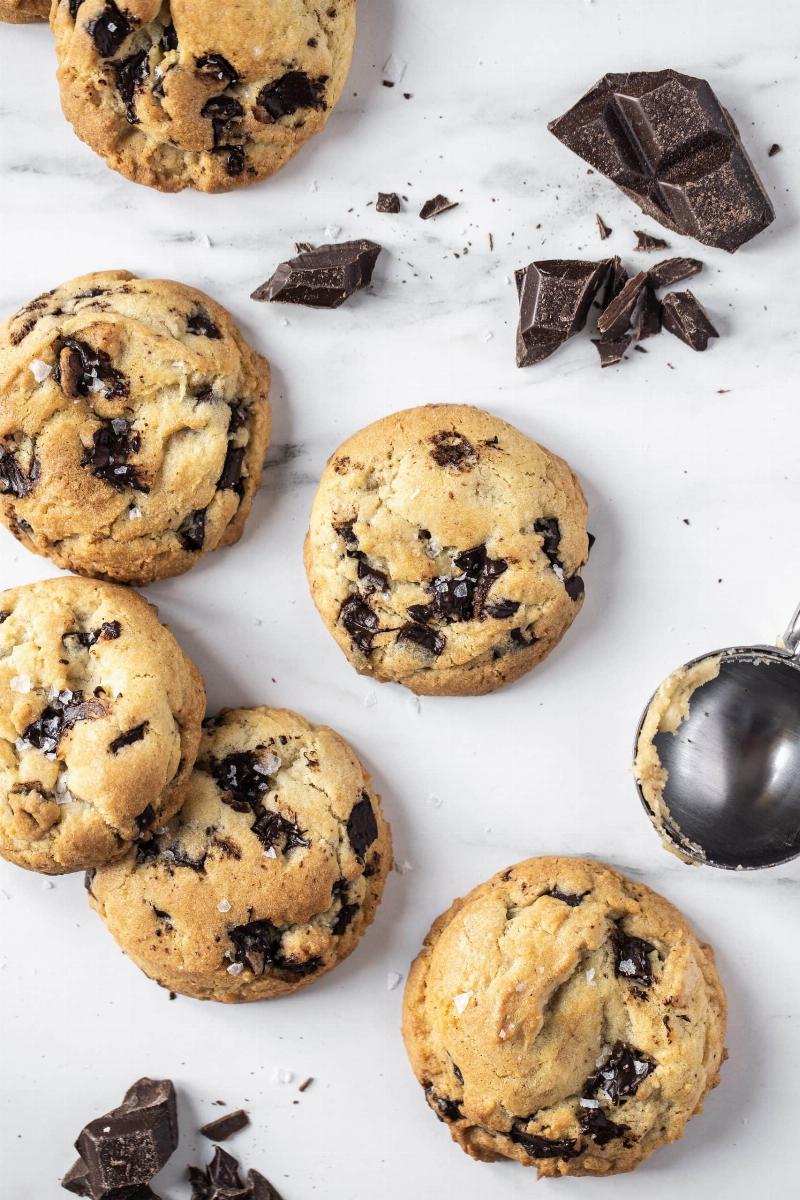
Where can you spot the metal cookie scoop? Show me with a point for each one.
(717, 756)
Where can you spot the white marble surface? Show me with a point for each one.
(541, 767)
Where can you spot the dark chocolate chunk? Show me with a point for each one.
(599, 1128)
(773, 150)
(323, 277)
(646, 243)
(360, 622)
(612, 350)
(13, 478)
(200, 322)
(81, 370)
(221, 111)
(362, 828)
(4, 615)
(422, 613)
(633, 958)
(109, 631)
(616, 279)
(555, 296)
(452, 449)
(74, 5)
(128, 737)
(192, 530)
(685, 317)
(500, 609)
(445, 1109)
(286, 95)
(110, 29)
(574, 587)
(371, 579)
(131, 72)
(232, 469)
(123, 1150)
(224, 1127)
(260, 1187)
(257, 945)
(572, 899)
(615, 319)
(435, 206)
(76, 1179)
(462, 597)
(169, 39)
(666, 141)
(273, 829)
(602, 228)
(60, 715)
(423, 636)
(543, 1147)
(648, 318)
(234, 159)
(214, 66)
(673, 270)
(387, 202)
(112, 445)
(344, 919)
(242, 778)
(621, 1074)
(550, 533)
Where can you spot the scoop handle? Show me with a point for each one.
(791, 638)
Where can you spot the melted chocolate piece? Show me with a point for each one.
(543, 1147)
(200, 323)
(128, 737)
(600, 1129)
(633, 958)
(323, 277)
(169, 39)
(74, 5)
(110, 29)
(555, 296)
(192, 530)
(121, 1151)
(214, 66)
(685, 317)
(362, 828)
(109, 631)
(612, 350)
(286, 95)
(372, 580)
(145, 818)
(574, 587)
(573, 899)
(451, 449)
(615, 319)
(673, 270)
(131, 72)
(60, 715)
(258, 947)
(13, 478)
(242, 778)
(232, 469)
(462, 597)
(436, 206)
(226, 1126)
(421, 635)
(234, 159)
(615, 281)
(112, 445)
(273, 829)
(666, 141)
(500, 609)
(360, 622)
(550, 532)
(621, 1074)
(446, 1110)
(646, 243)
(387, 202)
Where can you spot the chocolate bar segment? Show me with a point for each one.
(122, 1151)
(673, 270)
(615, 320)
(323, 277)
(555, 296)
(684, 316)
(667, 142)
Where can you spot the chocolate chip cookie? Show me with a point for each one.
(213, 96)
(100, 715)
(445, 549)
(267, 877)
(133, 426)
(22, 12)
(565, 1017)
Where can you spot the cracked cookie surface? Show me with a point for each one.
(194, 93)
(565, 1017)
(100, 714)
(444, 550)
(23, 12)
(270, 873)
(133, 429)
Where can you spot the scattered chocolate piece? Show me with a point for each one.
(683, 315)
(602, 228)
(646, 243)
(615, 319)
(323, 277)
(260, 1187)
(599, 1128)
(81, 370)
(612, 350)
(542, 1147)
(362, 828)
(633, 957)
(554, 298)
(200, 322)
(436, 206)
(131, 73)
(673, 270)
(226, 1126)
(666, 141)
(773, 150)
(648, 318)
(306, 1083)
(121, 1151)
(621, 1074)
(387, 202)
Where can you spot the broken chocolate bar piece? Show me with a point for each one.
(226, 1126)
(435, 206)
(616, 318)
(615, 282)
(673, 270)
(387, 202)
(648, 318)
(612, 350)
(646, 243)
(666, 141)
(122, 1151)
(323, 277)
(555, 296)
(683, 315)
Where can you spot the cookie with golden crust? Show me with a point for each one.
(100, 714)
(270, 873)
(565, 1017)
(23, 12)
(444, 550)
(133, 426)
(195, 93)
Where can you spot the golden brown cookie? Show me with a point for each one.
(100, 714)
(197, 93)
(23, 12)
(270, 873)
(134, 420)
(565, 1017)
(444, 550)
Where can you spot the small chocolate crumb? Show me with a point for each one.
(387, 202)
(220, 1129)
(646, 242)
(773, 150)
(436, 206)
(603, 229)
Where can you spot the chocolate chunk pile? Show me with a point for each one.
(221, 1180)
(667, 142)
(322, 277)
